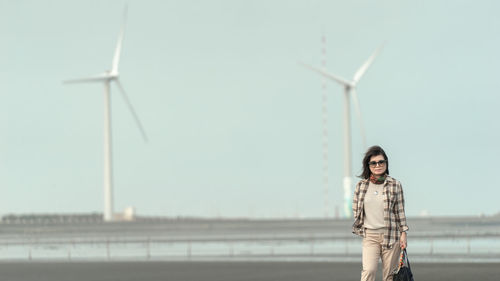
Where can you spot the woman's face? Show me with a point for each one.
(378, 165)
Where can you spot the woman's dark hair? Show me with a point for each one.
(373, 151)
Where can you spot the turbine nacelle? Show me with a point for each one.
(348, 87)
(113, 74)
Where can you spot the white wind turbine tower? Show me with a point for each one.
(106, 78)
(349, 90)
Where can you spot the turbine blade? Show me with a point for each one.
(118, 49)
(361, 71)
(333, 77)
(358, 113)
(96, 78)
(131, 108)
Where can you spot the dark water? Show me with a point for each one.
(230, 271)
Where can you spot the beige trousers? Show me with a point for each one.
(373, 252)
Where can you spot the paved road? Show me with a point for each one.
(228, 271)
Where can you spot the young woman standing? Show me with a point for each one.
(379, 215)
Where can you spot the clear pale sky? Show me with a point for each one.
(234, 122)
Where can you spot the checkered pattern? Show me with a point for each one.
(394, 210)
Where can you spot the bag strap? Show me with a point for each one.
(401, 259)
(406, 259)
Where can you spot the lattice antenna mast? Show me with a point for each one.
(324, 117)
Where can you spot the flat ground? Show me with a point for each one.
(229, 271)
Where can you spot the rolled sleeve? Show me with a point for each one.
(399, 209)
(355, 201)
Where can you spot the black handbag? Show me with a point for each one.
(403, 271)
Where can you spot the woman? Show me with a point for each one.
(379, 215)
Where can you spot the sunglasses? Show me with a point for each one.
(377, 163)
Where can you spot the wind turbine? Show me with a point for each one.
(106, 78)
(349, 90)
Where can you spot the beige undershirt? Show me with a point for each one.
(374, 208)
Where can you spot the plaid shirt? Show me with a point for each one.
(394, 210)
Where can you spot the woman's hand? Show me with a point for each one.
(402, 240)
